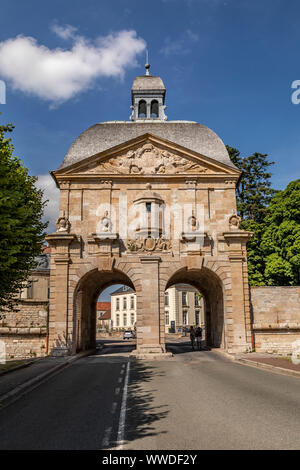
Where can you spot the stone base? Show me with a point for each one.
(60, 351)
(151, 352)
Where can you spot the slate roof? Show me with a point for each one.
(123, 290)
(105, 135)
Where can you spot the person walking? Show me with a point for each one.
(192, 337)
(198, 334)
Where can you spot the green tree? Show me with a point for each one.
(280, 241)
(253, 194)
(253, 191)
(21, 229)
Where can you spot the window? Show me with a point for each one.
(125, 319)
(117, 303)
(132, 302)
(148, 206)
(154, 109)
(124, 303)
(197, 317)
(184, 298)
(184, 317)
(196, 299)
(167, 299)
(118, 319)
(132, 319)
(167, 316)
(142, 109)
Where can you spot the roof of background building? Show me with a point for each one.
(106, 135)
(123, 290)
(106, 315)
(103, 306)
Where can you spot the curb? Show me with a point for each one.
(20, 366)
(225, 354)
(33, 383)
(261, 365)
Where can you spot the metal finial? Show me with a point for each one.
(147, 65)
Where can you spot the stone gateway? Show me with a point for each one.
(148, 203)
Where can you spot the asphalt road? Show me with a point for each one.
(195, 400)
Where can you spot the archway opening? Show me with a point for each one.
(142, 110)
(209, 286)
(184, 307)
(95, 308)
(154, 109)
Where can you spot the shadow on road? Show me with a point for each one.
(115, 346)
(184, 346)
(141, 412)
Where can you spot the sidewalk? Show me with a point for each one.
(17, 382)
(271, 362)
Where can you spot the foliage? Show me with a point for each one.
(254, 191)
(273, 217)
(21, 229)
(280, 242)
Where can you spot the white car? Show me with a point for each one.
(128, 334)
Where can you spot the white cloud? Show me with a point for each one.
(181, 45)
(64, 32)
(51, 193)
(57, 75)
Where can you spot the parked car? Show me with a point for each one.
(128, 334)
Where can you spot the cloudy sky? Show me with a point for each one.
(227, 64)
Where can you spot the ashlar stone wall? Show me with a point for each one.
(276, 318)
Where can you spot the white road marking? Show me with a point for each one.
(114, 407)
(121, 430)
(117, 391)
(120, 380)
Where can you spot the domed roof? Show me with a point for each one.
(188, 134)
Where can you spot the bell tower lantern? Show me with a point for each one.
(148, 98)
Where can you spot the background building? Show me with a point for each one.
(183, 307)
(103, 317)
(24, 330)
(123, 308)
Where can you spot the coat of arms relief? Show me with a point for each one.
(148, 160)
(148, 244)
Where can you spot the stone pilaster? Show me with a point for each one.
(241, 336)
(150, 344)
(59, 281)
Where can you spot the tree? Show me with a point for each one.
(21, 229)
(253, 191)
(253, 194)
(280, 241)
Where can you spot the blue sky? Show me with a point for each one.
(227, 64)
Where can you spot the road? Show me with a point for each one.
(195, 400)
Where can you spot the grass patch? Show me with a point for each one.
(10, 364)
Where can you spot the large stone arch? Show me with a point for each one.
(213, 280)
(86, 293)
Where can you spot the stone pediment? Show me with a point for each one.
(148, 157)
